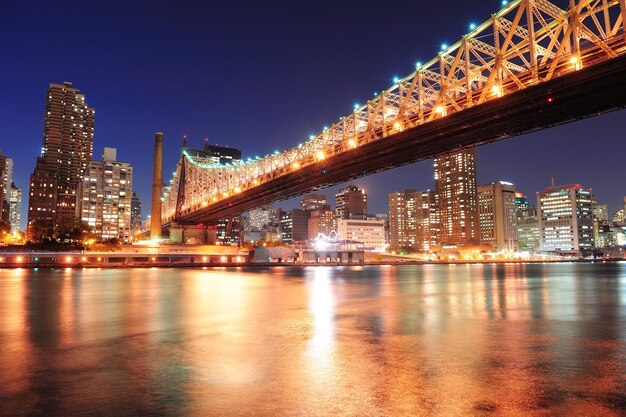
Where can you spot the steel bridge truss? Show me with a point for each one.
(527, 42)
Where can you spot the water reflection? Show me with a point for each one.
(516, 339)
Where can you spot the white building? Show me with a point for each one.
(106, 195)
(369, 233)
(566, 218)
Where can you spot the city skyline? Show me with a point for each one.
(563, 152)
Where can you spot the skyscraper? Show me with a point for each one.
(65, 155)
(350, 202)
(15, 208)
(497, 213)
(6, 179)
(106, 193)
(455, 190)
(565, 218)
(135, 212)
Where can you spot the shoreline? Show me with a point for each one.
(239, 265)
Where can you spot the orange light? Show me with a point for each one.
(296, 165)
(224, 194)
(204, 259)
(214, 198)
(99, 259)
(320, 155)
(19, 259)
(223, 259)
(497, 90)
(68, 259)
(154, 259)
(255, 182)
(397, 126)
(441, 110)
(352, 143)
(84, 259)
(205, 203)
(237, 189)
(575, 61)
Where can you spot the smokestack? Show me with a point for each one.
(157, 187)
(553, 182)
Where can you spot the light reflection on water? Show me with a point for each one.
(514, 339)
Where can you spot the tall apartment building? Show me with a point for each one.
(497, 214)
(455, 190)
(15, 208)
(412, 220)
(370, 234)
(565, 218)
(135, 212)
(350, 201)
(261, 217)
(6, 179)
(106, 194)
(65, 155)
(313, 201)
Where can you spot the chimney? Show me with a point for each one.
(157, 187)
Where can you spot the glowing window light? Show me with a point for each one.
(320, 155)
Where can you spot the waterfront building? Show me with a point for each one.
(600, 218)
(135, 212)
(106, 197)
(294, 225)
(369, 234)
(321, 221)
(15, 208)
(566, 218)
(528, 233)
(611, 236)
(229, 231)
(497, 211)
(65, 155)
(456, 199)
(619, 217)
(350, 201)
(412, 217)
(313, 202)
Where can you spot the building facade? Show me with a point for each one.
(566, 218)
(412, 220)
(369, 234)
(135, 212)
(321, 221)
(65, 155)
(15, 208)
(106, 194)
(497, 214)
(350, 201)
(6, 180)
(457, 203)
(313, 201)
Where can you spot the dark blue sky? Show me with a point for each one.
(259, 76)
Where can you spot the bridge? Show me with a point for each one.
(530, 66)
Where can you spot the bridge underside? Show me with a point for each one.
(588, 92)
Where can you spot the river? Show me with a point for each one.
(433, 340)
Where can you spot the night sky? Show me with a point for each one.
(259, 76)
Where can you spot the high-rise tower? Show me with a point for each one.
(65, 154)
(457, 203)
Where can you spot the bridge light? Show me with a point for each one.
(214, 199)
(99, 259)
(356, 106)
(225, 194)
(418, 65)
(398, 126)
(396, 80)
(352, 143)
(223, 259)
(441, 110)
(68, 259)
(320, 155)
(237, 189)
(255, 181)
(497, 90)
(153, 259)
(205, 203)
(19, 259)
(275, 152)
(504, 2)
(296, 165)
(576, 62)
(444, 46)
(325, 128)
(472, 26)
